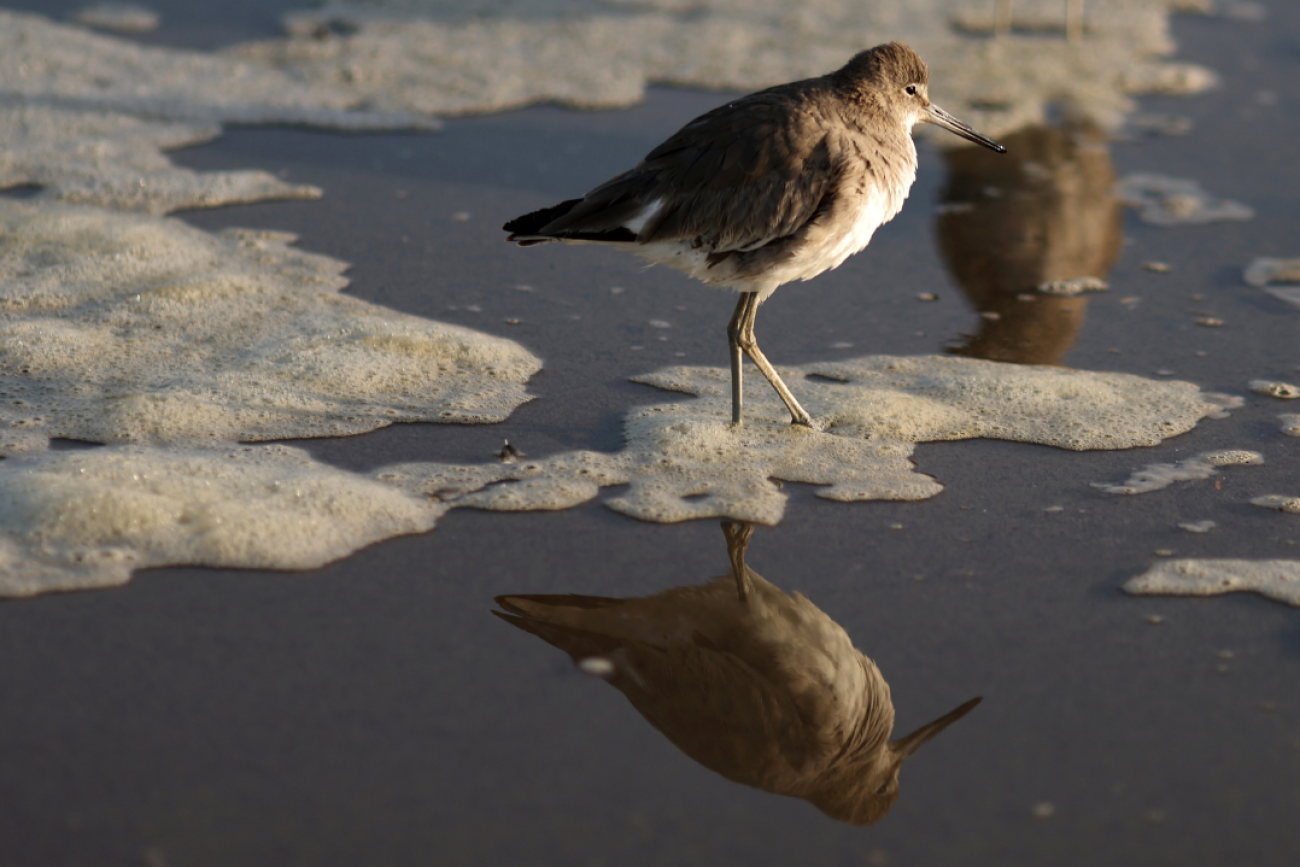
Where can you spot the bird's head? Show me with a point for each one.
(862, 791)
(896, 80)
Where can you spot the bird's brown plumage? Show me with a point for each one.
(779, 185)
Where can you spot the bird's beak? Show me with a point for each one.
(939, 117)
(905, 746)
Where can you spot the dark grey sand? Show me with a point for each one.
(374, 713)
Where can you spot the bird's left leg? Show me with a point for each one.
(749, 343)
(738, 533)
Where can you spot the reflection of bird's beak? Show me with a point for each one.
(939, 117)
(905, 746)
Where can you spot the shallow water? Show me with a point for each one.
(373, 711)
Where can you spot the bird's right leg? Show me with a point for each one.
(737, 358)
(749, 343)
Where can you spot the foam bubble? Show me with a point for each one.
(1283, 390)
(130, 328)
(1225, 403)
(1076, 286)
(446, 56)
(1167, 201)
(1276, 579)
(1155, 477)
(122, 17)
(1261, 272)
(1290, 424)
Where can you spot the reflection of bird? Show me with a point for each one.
(779, 185)
(1046, 213)
(753, 683)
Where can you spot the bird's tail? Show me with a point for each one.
(578, 643)
(524, 230)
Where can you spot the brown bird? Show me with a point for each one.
(776, 186)
(751, 682)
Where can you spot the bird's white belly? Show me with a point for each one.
(831, 254)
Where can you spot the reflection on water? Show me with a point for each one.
(751, 682)
(1045, 211)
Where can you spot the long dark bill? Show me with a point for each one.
(905, 746)
(939, 117)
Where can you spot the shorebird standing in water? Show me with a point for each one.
(779, 185)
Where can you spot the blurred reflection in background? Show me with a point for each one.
(1042, 215)
(749, 681)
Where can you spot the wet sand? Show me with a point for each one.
(374, 712)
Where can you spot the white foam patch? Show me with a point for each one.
(1155, 477)
(116, 161)
(86, 519)
(1281, 390)
(121, 17)
(1167, 201)
(1261, 272)
(684, 461)
(930, 398)
(129, 328)
(1276, 579)
(452, 56)
(1225, 402)
(1280, 502)
(45, 63)
(1290, 424)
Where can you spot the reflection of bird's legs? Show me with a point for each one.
(738, 533)
(740, 336)
(1002, 17)
(1073, 20)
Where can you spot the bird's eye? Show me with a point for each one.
(911, 90)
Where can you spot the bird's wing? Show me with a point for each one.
(741, 176)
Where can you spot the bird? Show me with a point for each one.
(779, 185)
(754, 683)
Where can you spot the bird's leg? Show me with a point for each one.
(1073, 20)
(737, 374)
(749, 343)
(738, 533)
(1001, 17)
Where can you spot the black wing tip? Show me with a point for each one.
(533, 222)
(530, 229)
